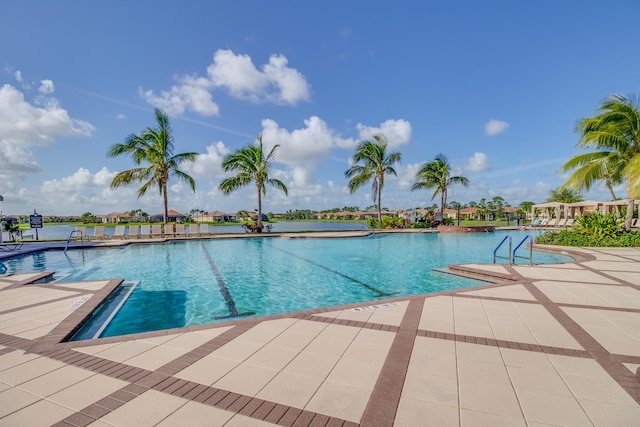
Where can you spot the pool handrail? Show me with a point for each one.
(367, 227)
(495, 255)
(71, 236)
(514, 256)
(3, 268)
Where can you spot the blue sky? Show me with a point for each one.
(497, 86)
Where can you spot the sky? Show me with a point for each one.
(496, 86)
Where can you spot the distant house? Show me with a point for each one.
(215, 216)
(172, 216)
(222, 216)
(113, 217)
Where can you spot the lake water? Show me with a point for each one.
(63, 231)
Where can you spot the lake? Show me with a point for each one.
(63, 231)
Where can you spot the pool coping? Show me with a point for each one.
(59, 337)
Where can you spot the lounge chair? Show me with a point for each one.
(156, 230)
(11, 245)
(98, 232)
(193, 230)
(552, 222)
(119, 232)
(204, 229)
(145, 231)
(133, 231)
(81, 232)
(561, 222)
(180, 231)
(569, 222)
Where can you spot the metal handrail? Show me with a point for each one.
(4, 267)
(71, 236)
(368, 227)
(495, 255)
(514, 256)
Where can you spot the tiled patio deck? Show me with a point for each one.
(555, 345)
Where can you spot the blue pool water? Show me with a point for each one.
(203, 281)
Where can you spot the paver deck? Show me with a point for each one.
(546, 345)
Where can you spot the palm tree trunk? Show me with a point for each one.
(613, 195)
(259, 219)
(443, 201)
(629, 217)
(379, 206)
(166, 203)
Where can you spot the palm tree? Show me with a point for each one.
(615, 134)
(251, 166)
(564, 195)
(371, 163)
(153, 146)
(437, 174)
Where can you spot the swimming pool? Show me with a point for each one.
(192, 282)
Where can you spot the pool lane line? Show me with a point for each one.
(231, 305)
(378, 292)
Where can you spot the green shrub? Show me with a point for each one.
(575, 238)
(373, 223)
(388, 222)
(598, 225)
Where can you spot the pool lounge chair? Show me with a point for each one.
(561, 222)
(133, 231)
(180, 231)
(204, 229)
(118, 232)
(193, 230)
(11, 245)
(81, 232)
(145, 231)
(156, 230)
(98, 232)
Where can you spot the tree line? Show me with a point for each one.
(613, 134)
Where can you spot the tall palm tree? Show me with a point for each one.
(371, 163)
(564, 195)
(154, 146)
(251, 166)
(615, 134)
(437, 174)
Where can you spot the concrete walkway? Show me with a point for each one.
(547, 345)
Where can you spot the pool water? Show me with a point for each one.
(194, 282)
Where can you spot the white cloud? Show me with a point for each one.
(18, 75)
(287, 85)
(301, 147)
(305, 148)
(398, 132)
(82, 178)
(237, 74)
(479, 162)
(46, 87)
(15, 160)
(494, 127)
(190, 94)
(208, 164)
(24, 125)
(121, 116)
(275, 82)
(407, 175)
